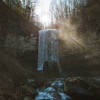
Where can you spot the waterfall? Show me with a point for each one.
(48, 48)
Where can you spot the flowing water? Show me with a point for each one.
(48, 52)
(53, 92)
(48, 48)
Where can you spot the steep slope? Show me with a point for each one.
(14, 70)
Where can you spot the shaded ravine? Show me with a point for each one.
(53, 92)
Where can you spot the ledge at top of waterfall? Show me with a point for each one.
(50, 30)
(48, 49)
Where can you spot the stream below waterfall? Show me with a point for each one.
(55, 91)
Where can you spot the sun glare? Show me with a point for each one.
(42, 10)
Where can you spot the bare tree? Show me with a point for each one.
(66, 8)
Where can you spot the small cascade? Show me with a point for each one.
(48, 48)
(53, 92)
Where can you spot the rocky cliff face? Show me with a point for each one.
(18, 39)
(21, 43)
(83, 88)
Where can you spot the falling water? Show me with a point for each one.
(48, 48)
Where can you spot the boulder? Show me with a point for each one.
(82, 88)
